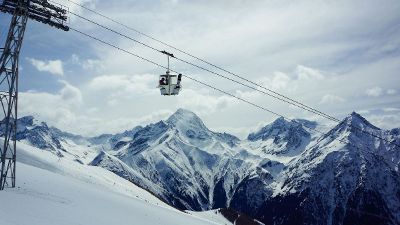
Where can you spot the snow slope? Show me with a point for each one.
(213, 215)
(226, 216)
(53, 190)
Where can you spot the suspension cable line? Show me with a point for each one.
(191, 78)
(287, 99)
(222, 91)
(299, 105)
(230, 79)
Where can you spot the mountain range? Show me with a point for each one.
(287, 172)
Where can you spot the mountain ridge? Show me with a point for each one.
(191, 167)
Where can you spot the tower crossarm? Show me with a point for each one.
(39, 10)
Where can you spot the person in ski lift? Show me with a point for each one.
(163, 81)
(178, 83)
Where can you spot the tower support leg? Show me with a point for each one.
(9, 94)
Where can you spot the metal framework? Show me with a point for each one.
(21, 10)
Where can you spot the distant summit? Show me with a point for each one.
(356, 120)
(183, 118)
(279, 127)
(282, 137)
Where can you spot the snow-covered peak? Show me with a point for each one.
(279, 127)
(185, 118)
(355, 135)
(26, 123)
(29, 121)
(282, 137)
(192, 129)
(182, 114)
(38, 134)
(356, 129)
(356, 120)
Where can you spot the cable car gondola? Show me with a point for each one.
(169, 84)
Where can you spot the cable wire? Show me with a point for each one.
(230, 79)
(187, 76)
(299, 105)
(287, 99)
(217, 89)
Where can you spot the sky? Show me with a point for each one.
(336, 56)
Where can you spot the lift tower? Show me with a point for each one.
(21, 10)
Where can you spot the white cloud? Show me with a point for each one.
(364, 111)
(75, 59)
(391, 109)
(374, 92)
(204, 104)
(87, 64)
(279, 81)
(306, 73)
(52, 66)
(91, 64)
(387, 121)
(67, 110)
(282, 82)
(378, 91)
(331, 99)
(68, 97)
(119, 85)
(71, 94)
(58, 109)
(391, 92)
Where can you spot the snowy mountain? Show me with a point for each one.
(284, 173)
(63, 144)
(181, 161)
(283, 137)
(343, 179)
(37, 134)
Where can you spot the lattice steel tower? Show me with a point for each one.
(21, 10)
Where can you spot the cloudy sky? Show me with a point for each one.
(337, 56)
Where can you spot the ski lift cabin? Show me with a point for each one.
(169, 84)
